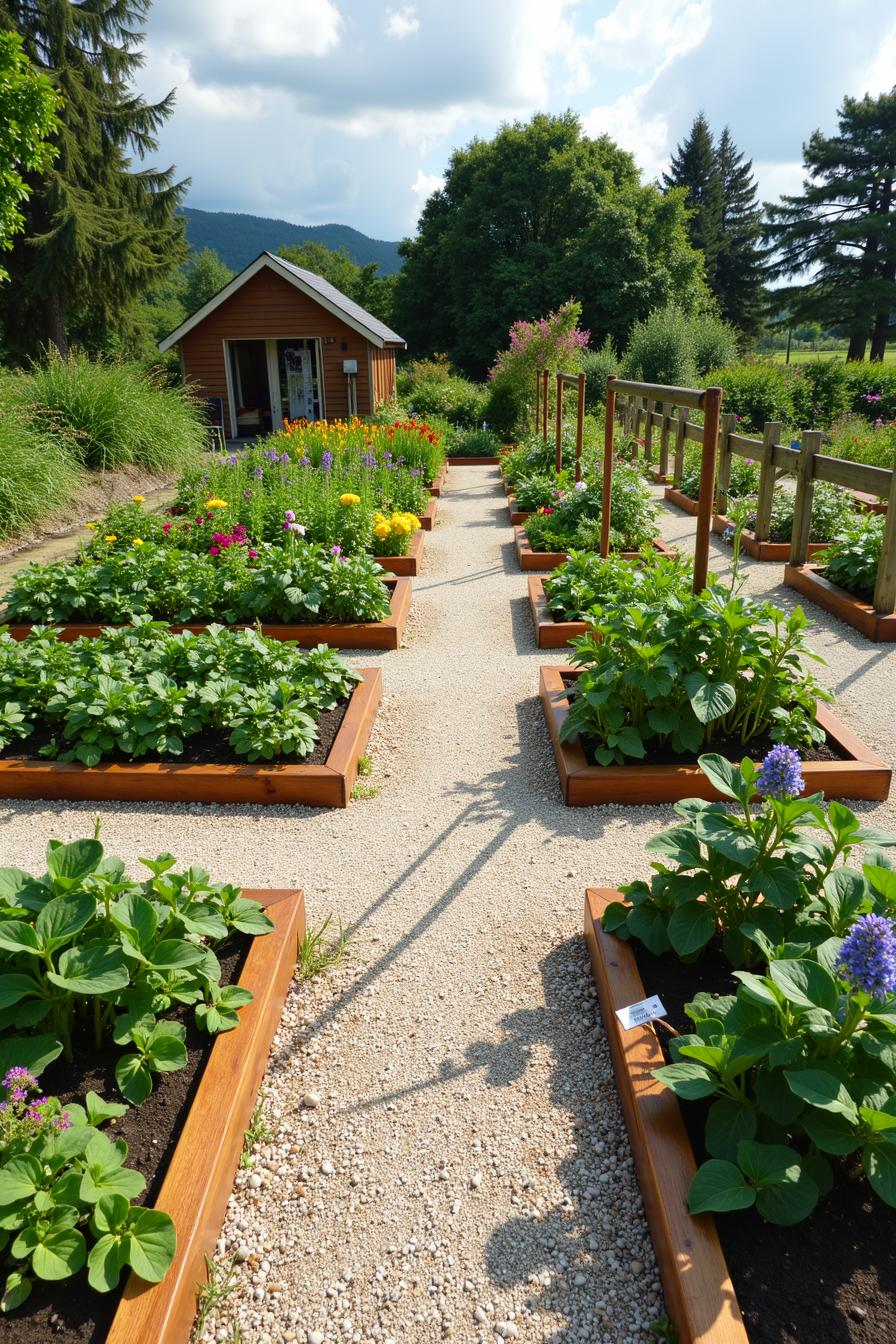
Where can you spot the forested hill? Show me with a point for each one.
(239, 238)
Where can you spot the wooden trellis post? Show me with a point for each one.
(648, 432)
(544, 405)
(726, 429)
(580, 425)
(537, 398)
(607, 484)
(766, 494)
(711, 405)
(664, 440)
(805, 492)
(680, 440)
(885, 587)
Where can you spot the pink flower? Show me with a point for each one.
(214, 550)
(253, 555)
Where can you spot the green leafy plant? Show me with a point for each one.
(853, 560)
(572, 521)
(587, 584)
(747, 878)
(82, 947)
(142, 691)
(832, 511)
(674, 675)
(65, 1196)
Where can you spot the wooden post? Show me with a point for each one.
(885, 588)
(805, 491)
(609, 417)
(664, 440)
(680, 440)
(723, 475)
(712, 407)
(544, 406)
(558, 426)
(648, 432)
(580, 426)
(766, 495)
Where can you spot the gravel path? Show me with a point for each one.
(449, 1159)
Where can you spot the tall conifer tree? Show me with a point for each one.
(740, 266)
(694, 166)
(841, 231)
(98, 229)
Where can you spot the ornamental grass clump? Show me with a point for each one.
(674, 676)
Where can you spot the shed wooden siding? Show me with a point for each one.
(383, 365)
(267, 307)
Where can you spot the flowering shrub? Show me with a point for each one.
(854, 439)
(554, 343)
(141, 691)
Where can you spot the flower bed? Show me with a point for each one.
(680, 500)
(775, 963)
(216, 1028)
(530, 559)
(408, 566)
(778, 551)
(550, 633)
(438, 485)
(809, 581)
(574, 598)
(517, 516)
(141, 713)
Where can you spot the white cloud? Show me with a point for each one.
(643, 134)
(276, 28)
(639, 34)
(401, 23)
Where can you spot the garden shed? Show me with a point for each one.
(281, 343)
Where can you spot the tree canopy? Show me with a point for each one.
(840, 232)
(364, 284)
(538, 215)
(98, 230)
(27, 118)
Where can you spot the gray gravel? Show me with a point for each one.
(462, 1170)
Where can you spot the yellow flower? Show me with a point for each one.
(382, 530)
(216, 503)
(111, 537)
(349, 498)
(138, 541)
(90, 525)
(138, 499)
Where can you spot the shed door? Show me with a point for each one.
(299, 382)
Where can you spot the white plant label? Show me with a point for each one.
(636, 1014)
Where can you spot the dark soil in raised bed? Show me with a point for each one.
(209, 748)
(828, 1280)
(70, 1311)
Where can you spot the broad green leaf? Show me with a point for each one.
(756, 989)
(14, 987)
(767, 1163)
(775, 1097)
(615, 917)
(13, 881)
(109, 1214)
(787, 1203)
(719, 1187)
(690, 1081)
(691, 927)
(728, 1122)
(93, 968)
(62, 918)
(723, 776)
(99, 1110)
(18, 937)
(822, 1088)
(151, 1244)
(711, 700)
(879, 1163)
(805, 984)
(680, 845)
(133, 1078)
(723, 834)
(33, 1053)
(61, 1254)
(68, 865)
(16, 1291)
(779, 885)
(167, 1053)
(135, 912)
(750, 1047)
(649, 925)
(105, 1262)
(20, 1177)
(105, 1173)
(175, 954)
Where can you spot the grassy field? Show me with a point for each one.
(801, 356)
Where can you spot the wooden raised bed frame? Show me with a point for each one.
(542, 560)
(328, 785)
(517, 516)
(438, 484)
(550, 634)
(461, 461)
(201, 1171)
(778, 551)
(339, 635)
(846, 606)
(408, 566)
(428, 516)
(861, 775)
(700, 1296)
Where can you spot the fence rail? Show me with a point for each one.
(635, 405)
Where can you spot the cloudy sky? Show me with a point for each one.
(346, 111)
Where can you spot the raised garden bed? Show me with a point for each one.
(517, 516)
(325, 785)
(869, 503)
(807, 580)
(857, 773)
(542, 560)
(680, 500)
(428, 516)
(831, 1277)
(697, 1285)
(778, 551)
(550, 634)
(461, 461)
(209, 1116)
(408, 566)
(438, 484)
(385, 634)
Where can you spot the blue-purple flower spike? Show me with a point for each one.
(780, 774)
(868, 956)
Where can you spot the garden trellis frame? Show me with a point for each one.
(709, 401)
(564, 380)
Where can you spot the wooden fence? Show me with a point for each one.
(806, 464)
(564, 380)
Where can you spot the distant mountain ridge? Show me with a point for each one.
(238, 239)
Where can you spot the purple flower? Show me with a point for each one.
(326, 461)
(779, 776)
(580, 485)
(259, 473)
(247, 494)
(289, 516)
(867, 958)
(284, 459)
(305, 461)
(18, 1083)
(231, 461)
(335, 550)
(416, 471)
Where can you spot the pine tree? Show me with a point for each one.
(98, 230)
(842, 230)
(740, 267)
(694, 166)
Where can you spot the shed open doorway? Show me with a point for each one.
(271, 381)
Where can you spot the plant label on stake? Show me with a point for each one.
(638, 1014)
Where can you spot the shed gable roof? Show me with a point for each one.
(313, 286)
